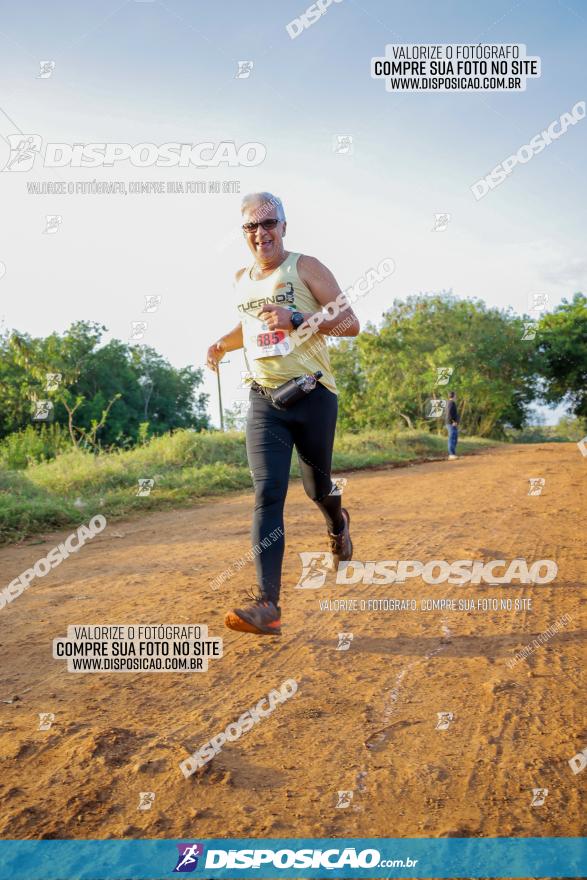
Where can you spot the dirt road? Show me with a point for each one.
(363, 720)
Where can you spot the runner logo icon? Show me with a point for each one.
(23, 151)
(187, 860)
(314, 569)
(344, 641)
(538, 796)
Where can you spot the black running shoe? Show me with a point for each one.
(341, 545)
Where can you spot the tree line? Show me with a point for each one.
(101, 395)
(98, 395)
(499, 364)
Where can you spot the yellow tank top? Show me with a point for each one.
(271, 358)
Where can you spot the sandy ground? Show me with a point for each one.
(363, 720)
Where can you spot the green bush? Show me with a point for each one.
(34, 444)
(571, 428)
(568, 429)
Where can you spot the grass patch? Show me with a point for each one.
(186, 466)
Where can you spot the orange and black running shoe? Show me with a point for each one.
(259, 617)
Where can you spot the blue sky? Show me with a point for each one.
(165, 71)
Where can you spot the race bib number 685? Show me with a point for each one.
(262, 342)
(273, 338)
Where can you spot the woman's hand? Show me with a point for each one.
(276, 317)
(215, 354)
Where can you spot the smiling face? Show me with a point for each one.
(266, 245)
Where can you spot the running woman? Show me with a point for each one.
(276, 296)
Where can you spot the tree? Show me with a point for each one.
(562, 344)
(388, 374)
(104, 392)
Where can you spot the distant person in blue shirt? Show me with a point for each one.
(452, 423)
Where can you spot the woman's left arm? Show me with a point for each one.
(324, 288)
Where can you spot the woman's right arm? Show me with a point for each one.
(230, 342)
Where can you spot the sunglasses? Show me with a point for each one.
(265, 224)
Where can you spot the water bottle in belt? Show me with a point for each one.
(294, 390)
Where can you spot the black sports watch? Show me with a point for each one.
(297, 319)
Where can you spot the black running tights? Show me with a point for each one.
(309, 425)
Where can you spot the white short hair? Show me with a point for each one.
(267, 199)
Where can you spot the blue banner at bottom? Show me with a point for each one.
(527, 857)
